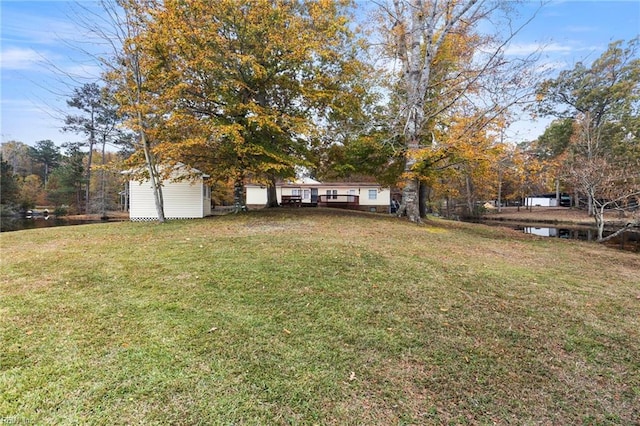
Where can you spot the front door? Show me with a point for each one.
(314, 195)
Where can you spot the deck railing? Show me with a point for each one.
(340, 201)
(292, 200)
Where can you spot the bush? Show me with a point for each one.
(8, 210)
(61, 211)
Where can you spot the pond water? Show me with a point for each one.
(18, 224)
(629, 241)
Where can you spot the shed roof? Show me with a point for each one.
(179, 170)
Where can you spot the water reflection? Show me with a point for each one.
(586, 234)
(18, 224)
(628, 241)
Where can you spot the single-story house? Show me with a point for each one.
(185, 195)
(365, 196)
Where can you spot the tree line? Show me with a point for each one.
(417, 97)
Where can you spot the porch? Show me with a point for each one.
(291, 201)
(339, 201)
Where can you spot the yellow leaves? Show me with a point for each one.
(232, 84)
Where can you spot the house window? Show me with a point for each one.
(332, 193)
(352, 192)
(306, 194)
(373, 194)
(295, 192)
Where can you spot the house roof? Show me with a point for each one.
(312, 183)
(308, 181)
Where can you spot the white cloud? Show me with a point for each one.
(521, 49)
(16, 58)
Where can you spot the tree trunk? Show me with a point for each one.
(499, 191)
(272, 194)
(598, 214)
(103, 183)
(470, 198)
(410, 205)
(238, 194)
(410, 200)
(92, 141)
(423, 196)
(156, 185)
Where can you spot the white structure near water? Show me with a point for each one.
(541, 201)
(185, 195)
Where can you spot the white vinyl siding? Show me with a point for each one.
(182, 200)
(382, 196)
(256, 195)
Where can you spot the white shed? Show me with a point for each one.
(186, 198)
(541, 201)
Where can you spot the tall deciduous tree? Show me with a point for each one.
(422, 36)
(129, 73)
(249, 81)
(17, 154)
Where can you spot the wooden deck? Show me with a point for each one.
(339, 201)
(291, 201)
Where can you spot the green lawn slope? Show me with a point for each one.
(310, 316)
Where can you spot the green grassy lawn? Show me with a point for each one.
(314, 317)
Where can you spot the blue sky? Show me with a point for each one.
(43, 55)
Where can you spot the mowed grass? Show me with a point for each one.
(315, 317)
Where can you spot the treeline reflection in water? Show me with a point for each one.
(18, 224)
(628, 240)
